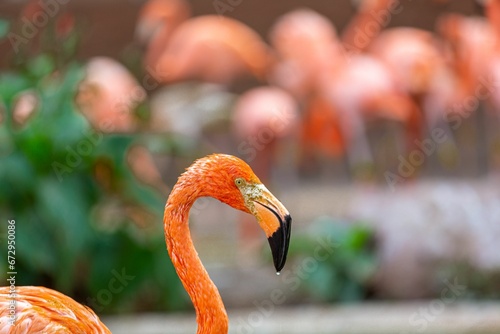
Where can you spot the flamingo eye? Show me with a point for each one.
(239, 182)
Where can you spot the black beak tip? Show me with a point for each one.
(279, 242)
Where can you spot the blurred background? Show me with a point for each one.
(375, 122)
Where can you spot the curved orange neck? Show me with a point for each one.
(210, 312)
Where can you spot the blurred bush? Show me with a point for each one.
(475, 282)
(81, 215)
(336, 259)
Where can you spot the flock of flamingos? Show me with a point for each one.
(317, 86)
(328, 86)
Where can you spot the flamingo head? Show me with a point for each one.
(230, 180)
(271, 215)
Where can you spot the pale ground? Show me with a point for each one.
(428, 317)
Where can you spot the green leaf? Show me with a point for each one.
(41, 66)
(12, 84)
(66, 206)
(34, 244)
(346, 273)
(4, 28)
(17, 175)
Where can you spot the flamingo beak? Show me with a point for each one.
(276, 222)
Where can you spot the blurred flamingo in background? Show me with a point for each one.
(209, 48)
(108, 95)
(353, 87)
(363, 89)
(493, 15)
(370, 18)
(321, 134)
(214, 51)
(142, 164)
(159, 18)
(306, 44)
(262, 117)
(231, 181)
(157, 21)
(475, 49)
(42, 310)
(421, 70)
(415, 58)
(474, 45)
(25, 107)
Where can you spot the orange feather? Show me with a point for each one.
(42, 310)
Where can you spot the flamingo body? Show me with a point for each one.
(266, 114)
(321, 132)
(108, 95)
(42, 310)
(412, 55)
(306, 43)
(209, 48)
(265, 107)
(160, 17)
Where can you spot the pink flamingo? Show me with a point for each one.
(421, 70)
(331, 80)
(474, 44)
(306, 45)
(108, 95)
(262, 117)
(415, 58)
(208, 48)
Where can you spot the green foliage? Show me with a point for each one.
(4, 27)
(478, 283)
(337, 260)
(80, 213)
